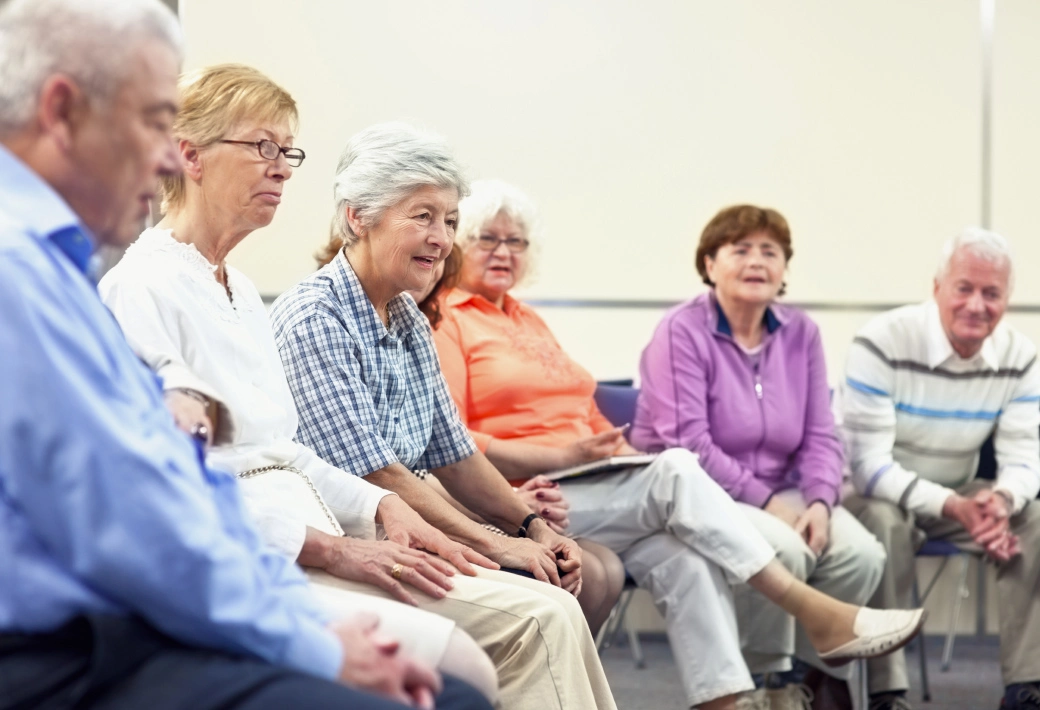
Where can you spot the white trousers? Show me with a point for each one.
(534, 633)
(682, 538)
(849, 569)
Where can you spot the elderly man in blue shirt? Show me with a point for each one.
(131, 577)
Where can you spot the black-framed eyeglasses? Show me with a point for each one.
(271, 150)
(489, 242)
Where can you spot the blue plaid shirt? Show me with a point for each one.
(368, 396)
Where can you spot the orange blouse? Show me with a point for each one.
(509, 377)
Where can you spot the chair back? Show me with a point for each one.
(939, 548)
(617, 402)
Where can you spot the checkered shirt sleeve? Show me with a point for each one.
(338, 416)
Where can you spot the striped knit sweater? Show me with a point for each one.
(915, 414)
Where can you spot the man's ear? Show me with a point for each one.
(61, 108)
(935, 288)
(191, 159)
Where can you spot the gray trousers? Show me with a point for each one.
(849, 569)
(902, 533)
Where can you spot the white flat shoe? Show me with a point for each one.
(878, 632)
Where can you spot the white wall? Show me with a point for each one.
(630, 124)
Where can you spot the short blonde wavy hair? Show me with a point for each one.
(213, 101)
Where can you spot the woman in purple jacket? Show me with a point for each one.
(740, 380)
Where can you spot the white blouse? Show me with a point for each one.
(178, 319)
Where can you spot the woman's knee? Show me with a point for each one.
(611, 570)
(792, 552)
(465, 660)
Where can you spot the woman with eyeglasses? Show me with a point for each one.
(530, 409)
(202, 326)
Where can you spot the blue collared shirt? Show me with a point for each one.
(367, 395)
(104, 504)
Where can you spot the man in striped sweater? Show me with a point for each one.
(925, 386)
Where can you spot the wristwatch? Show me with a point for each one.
(522, 532)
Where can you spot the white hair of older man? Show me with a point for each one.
(88, 40)
(982, 243)
(385, 163)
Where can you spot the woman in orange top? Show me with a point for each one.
(602, 571)
(530, 409)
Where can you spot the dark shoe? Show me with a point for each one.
(828, 692)
(1021, 696)
(889, 701)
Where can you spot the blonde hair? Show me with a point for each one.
(213, 101)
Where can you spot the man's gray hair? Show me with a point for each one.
(982, 243)
(385, 163)
(88, 40)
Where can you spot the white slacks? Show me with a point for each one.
(684, 539)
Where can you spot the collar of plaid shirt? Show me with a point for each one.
(405, 316)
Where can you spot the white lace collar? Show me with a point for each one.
(154, 240)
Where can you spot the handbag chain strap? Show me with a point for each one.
(254, 472)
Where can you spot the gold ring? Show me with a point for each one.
(396, 570)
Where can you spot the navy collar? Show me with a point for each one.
(769, 320)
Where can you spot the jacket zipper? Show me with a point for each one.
(761, 412)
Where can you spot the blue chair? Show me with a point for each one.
(946, 551)
(616, 399)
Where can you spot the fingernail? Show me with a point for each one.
(545, 511)
(540, 496)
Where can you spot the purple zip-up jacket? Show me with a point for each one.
(758, 429)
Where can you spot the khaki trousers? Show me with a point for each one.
(534, 633)
(849, 569)
(902, 533)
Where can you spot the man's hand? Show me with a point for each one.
(964, 511)
(986, 517)
(994, 534)
(404, 526)
(567, 554)
(782, 510)
(814, 526)
(374, 663)
(544, 497)
(189, 414)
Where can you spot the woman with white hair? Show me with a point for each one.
(201, 325)
(362, 368)
(530, 408)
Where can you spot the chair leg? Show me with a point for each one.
(636, 646)
(608, 634)
(859, 691)
(980, 598)
(926, 692)
(951, 634)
